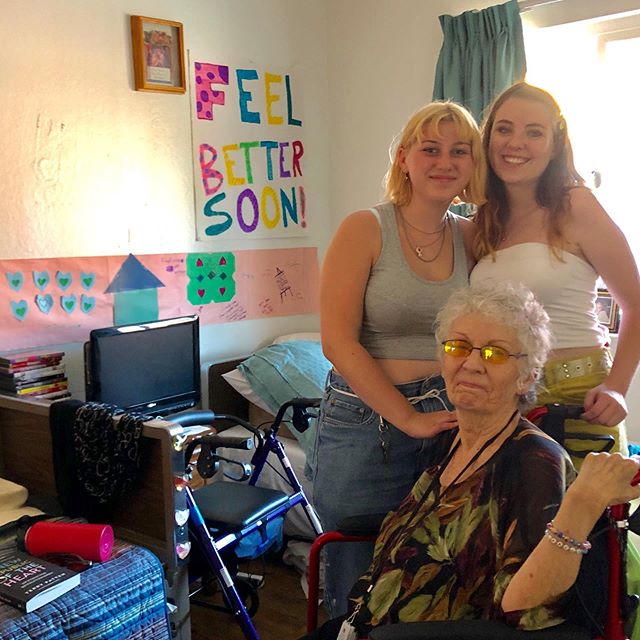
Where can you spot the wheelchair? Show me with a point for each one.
(614, 525)
(223, 515)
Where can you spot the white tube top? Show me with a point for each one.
(567, 290)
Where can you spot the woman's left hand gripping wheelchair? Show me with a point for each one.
(224, 515)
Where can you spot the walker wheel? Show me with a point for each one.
(248, 594)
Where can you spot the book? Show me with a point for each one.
(45, 388)
(31, 373)
(55, 395)
(27, 582)
(9, 369)
(25, 358)
(17, 385)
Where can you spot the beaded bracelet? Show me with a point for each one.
(563, 541)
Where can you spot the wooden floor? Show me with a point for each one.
(281, 614)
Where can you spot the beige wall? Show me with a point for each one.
(92, 167)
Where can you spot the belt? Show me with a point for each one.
(558, 370)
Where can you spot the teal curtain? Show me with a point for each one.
(482, 54)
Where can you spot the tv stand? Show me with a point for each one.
(146, 518)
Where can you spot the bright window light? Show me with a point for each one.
(592, 80)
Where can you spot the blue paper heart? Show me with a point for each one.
(19, 309)
(16, 280)
(64, 279)
(87, 303)
(41, 279)
(44, 302)
(87, 279)
(68, 303)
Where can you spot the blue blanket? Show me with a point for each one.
(123, 598)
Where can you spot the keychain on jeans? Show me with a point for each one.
(384, 435)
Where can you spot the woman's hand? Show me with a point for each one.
(427, 425)
(605, 479)
(604, 406)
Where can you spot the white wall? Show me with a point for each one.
(92, 167)
(382, 59)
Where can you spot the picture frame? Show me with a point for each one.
(607, 310)
(158, 54)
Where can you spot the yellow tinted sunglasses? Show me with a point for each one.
(488, 352)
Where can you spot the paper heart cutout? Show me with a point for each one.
(19, 309)
(201, 292)
(16, 280)
(64, 279)
(87, 303)
(44, 302)
(87, 279)
(68, 303)
(41, 279)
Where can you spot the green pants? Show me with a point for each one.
(567, 382)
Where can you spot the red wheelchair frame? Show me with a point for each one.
(618, 514)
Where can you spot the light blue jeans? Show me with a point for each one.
(354, 475)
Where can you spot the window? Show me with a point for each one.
(591, 69)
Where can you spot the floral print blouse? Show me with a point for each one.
(457, 561)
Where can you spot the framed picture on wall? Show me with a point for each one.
(607, 311)
(158, 54)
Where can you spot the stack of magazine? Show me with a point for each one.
(34, 374)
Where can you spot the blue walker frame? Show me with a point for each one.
(268, 443)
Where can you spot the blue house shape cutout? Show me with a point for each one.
(135, 291)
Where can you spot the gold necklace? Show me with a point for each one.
(428, 233)
(418, 249)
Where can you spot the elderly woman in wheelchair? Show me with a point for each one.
(496, 527)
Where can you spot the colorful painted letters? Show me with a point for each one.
(250, 180)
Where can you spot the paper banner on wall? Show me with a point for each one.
(59, 300)
(248, 150)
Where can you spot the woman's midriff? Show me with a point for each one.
(400, 371)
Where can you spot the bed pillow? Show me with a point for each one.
(286, 370)
(239, 382)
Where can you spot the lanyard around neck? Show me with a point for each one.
(433, 488)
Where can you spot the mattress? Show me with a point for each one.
(123, 598)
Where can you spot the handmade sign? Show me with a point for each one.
(59, 300)
(248, 151)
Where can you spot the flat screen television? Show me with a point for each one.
(152, 368)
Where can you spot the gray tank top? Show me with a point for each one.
(399, 306)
